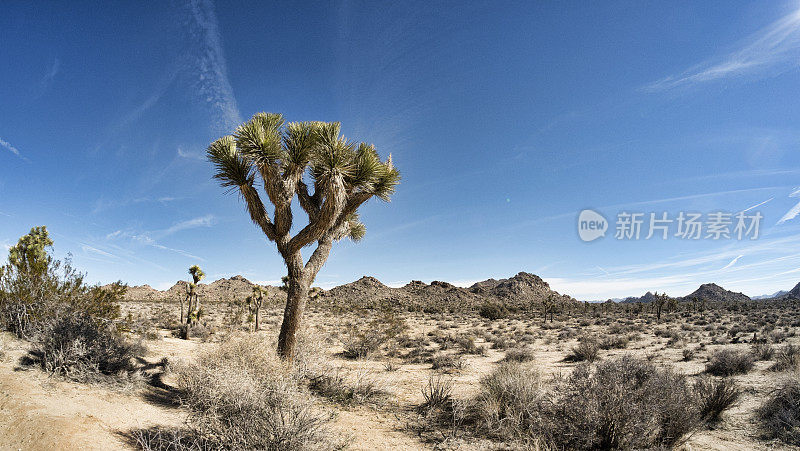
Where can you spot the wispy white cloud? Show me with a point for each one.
(49, 76)
(756, 205)
(794, 211)
(791, 214)
(93, 250)
(733, 262)
(210, 66)
(775, 47)
(202, 221)
(106, 204)
(11, 148)
(188, 154)
(152, 238)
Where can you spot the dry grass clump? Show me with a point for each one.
(437, 393)
(625, 403)
(83, 348)
(779, 416)
(729, 362)
(714, 396)
(241, 396)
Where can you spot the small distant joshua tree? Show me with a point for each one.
(254, 302)
(344, 176)
(192, 298)
(658, 302)
(548, 306)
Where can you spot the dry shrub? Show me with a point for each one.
(586, 351)
(614, 342)
(83, 348)
(714, 396)
(520, 355)
(447, 362)
(344, 387)
(626, 403)
(762, 351)
(780, 414)
(242, 396)
(787, 358)
(510, 403)
(361, 343)
(728, 362)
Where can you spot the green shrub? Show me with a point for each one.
(36, 290)
(493, 311)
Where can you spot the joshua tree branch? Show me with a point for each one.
(330, 212)
(309, 203)
(258, 213)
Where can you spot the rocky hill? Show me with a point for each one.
(518, 291)
(715, 293)
(647, 297)
(222, 290)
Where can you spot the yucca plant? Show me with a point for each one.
(344, 176)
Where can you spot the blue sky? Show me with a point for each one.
(506, 119)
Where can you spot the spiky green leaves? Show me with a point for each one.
(300, 139)
(259, 139)
(345, 175)
(196, 273)
(356, 228)
(233, 169)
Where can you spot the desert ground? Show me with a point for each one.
(373, 367)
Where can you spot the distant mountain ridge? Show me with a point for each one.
(518, 291)
(222, 290)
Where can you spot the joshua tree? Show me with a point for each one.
(344, 176)
(548, 306)
(193, 300)
(658, 302)
(254, 302)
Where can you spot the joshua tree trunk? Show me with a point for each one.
(295, 305)
(300, 279)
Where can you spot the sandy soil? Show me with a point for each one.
(41, 412)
